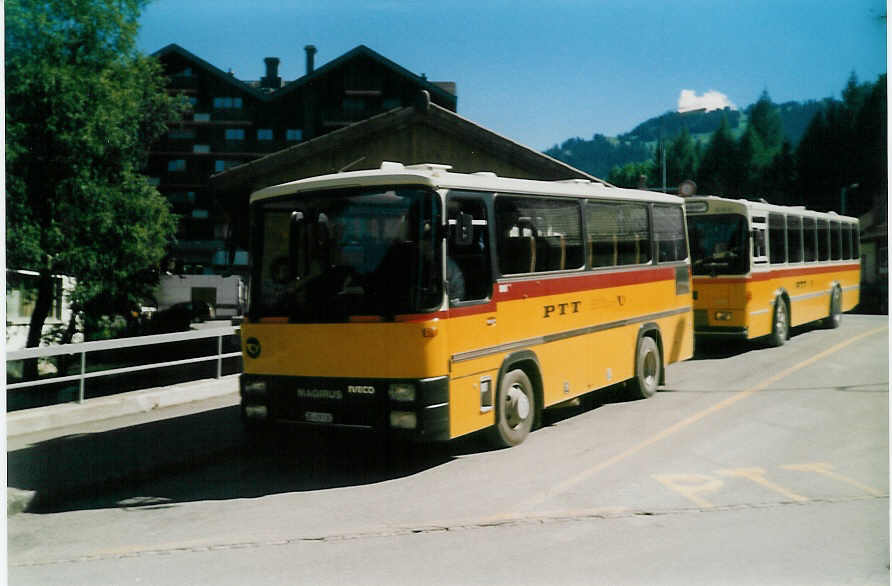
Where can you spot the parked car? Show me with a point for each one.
(180, 316)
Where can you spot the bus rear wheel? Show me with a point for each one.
(648, 367)
(780, 324)
(515, 409)
(834, 320)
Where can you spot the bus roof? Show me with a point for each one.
(439, 176)
(725, 204)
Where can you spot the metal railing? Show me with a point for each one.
(116, 344)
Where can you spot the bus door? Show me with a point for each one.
(473, 329)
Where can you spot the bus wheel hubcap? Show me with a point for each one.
(517, 407)
(650, 369)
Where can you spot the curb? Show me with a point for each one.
(55, 416)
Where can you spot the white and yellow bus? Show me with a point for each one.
(435, 304)
(760, 269)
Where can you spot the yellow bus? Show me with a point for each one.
(760, 269)
(432, 304)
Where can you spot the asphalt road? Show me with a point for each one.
(752, 466)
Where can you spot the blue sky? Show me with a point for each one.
(542, 72)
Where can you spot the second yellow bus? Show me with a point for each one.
(760, 269)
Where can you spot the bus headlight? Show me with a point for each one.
(258, 386)
(403, 420)
(401, 392)
(256, 411)
(723, 316)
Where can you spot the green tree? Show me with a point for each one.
(718, 172)
(82, 108)
(765, 120)
(681, 158)
(871, 164)
(751, 161)
(630, 175)
(845, 146)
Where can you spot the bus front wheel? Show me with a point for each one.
(780, 325)
(515, 409)
(648, 365)
(834, 320)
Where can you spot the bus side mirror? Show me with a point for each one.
(295, 238)
(464, 230)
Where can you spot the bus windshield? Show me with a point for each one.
(719, 244)
(332, 256)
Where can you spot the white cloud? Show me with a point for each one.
(712, 100)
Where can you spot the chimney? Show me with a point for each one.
(272, 79)
(311, 52)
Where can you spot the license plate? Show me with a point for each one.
(317, 417)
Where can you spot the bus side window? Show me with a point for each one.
(669, 233)
(835, 242)
(823, 240)
(759, 255)
(794, 238)
(468, 272)
(809, 239)
(777, 239)
(846, 241)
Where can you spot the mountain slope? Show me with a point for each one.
(601, 153)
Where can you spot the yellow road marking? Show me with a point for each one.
(757, 475)
(825, 469)
(582, 476)
(691, 486)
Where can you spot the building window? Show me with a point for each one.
(264, 134)
(228, 103)
(223, 164)
(201, 148)
(154, 181)
(176, 165)
(200, 214)
(201, 117)
(235, 134)
(21, 295)
(187, 72)
(182, 197)
(181, 133)
(294, 134)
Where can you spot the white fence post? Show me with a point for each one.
(80, 392)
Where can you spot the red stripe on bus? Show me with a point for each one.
(777, 273)
(540, 287)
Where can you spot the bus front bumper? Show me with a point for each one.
(416, 409)
(721, 332)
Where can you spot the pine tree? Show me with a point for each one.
(766, 122)
(718, 174)
(682, 158)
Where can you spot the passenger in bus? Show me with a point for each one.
(455, 280)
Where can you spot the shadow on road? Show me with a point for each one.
(208, 456)
(711, 349)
